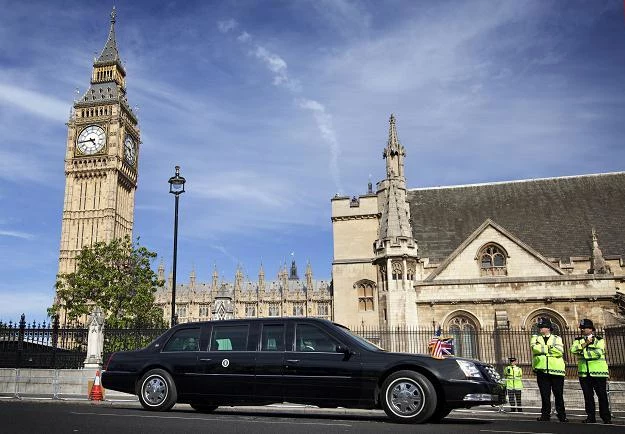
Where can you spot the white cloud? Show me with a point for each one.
(16, 234)
(227, 25)
(278, 66)
(324, 123)
(16, 165)
(39, 104)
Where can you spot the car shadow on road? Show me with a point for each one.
(320, 414)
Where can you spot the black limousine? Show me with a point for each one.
(298, 360)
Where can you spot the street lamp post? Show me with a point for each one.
(176, 187)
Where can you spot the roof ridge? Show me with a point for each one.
(516, 181)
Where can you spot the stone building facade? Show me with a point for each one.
(288, 295)
(470, 257)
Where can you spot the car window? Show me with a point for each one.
(229, 338)
(184, 340)
(309, 338)
(272, 337)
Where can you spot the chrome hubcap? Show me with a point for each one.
(405, 398)
(154, 390)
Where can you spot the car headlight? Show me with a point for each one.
(469, 369)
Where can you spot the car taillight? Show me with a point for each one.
(106, 365)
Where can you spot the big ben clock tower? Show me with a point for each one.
(101, 160)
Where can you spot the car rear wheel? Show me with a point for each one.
(203, 408)
(408, 397)
(157, 390)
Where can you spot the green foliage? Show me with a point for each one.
(115, 276)
(130, 339)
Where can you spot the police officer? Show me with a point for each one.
(548, 364)
(593, 371)
(513, 374)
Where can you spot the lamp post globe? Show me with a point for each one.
(176, 187)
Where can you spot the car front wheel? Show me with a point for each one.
(157, 390)
(408, 397)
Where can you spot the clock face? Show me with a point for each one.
(129, 150)
(91, 140)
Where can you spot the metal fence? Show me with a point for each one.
(49, 345)
(496, 345)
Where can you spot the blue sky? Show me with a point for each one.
(272, 107)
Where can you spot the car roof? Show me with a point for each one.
(255, 320)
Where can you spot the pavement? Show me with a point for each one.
(285, 409)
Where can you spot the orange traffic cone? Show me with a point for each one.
(96, 389)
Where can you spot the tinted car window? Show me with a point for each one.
(310, 338)
(229, 338)
(273, 337)
(184, 340)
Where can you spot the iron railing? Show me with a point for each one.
(48, 345)
(496, 345)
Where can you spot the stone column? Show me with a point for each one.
(95, 342)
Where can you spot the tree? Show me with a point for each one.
(115, 276)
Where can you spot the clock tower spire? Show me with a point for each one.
(101, 160)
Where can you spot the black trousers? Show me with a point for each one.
(590, 386)
(514, 398)
(548, 383)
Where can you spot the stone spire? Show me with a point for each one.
(261, 278)
(394, 153)
(309, 277)
(395, 219)
(192, 277)
(161, 271)
(215, 282)
(109, 53)
(598, 265)
(395, 249)
(293, 274)
(238, 278)
(283, 276)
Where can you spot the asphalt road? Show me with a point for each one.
(71, 417)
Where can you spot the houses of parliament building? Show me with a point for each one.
(467, 257)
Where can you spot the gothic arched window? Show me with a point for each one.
(398, 271)
(492, 258)
(464, 331)
(366, 295)
(411, 271)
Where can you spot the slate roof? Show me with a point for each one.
(109, 53)
(555, 216)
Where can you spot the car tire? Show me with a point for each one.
(203, 408)
(157, 390)
(408, 397)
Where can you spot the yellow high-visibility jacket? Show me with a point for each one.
(590, 359)
(548, 355)
(513, 375)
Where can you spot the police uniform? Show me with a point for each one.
(549, 366)
(514, 385)
(593, 374)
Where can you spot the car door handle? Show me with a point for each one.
(205, 360)
(293, 361)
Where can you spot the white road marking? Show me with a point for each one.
(204, 418)
(516, 432)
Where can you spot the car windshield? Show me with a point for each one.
(366, 343)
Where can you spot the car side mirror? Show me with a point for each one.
(344, 350)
